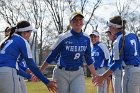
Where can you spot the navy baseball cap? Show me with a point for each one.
(76, 14)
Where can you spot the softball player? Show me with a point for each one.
(10, 49)
(100, 55)
(125, 49)
(71, 47)
(117, 74)
(109, 79)
(22, 68)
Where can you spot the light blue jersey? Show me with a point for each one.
(130, 54)
(71, 47)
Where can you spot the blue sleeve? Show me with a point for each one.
(32, 66)
(22, 67)
(52, 56)
(56, 48)
(106, 63)
(116, 64)
(23, 73)
(88, 57)
(139, 48)
(27, 56)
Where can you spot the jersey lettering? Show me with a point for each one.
(76, 48)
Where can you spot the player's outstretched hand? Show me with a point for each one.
(98, 80)
(52, 86)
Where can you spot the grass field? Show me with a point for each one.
(39, 87)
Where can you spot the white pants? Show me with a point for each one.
(117, 81)
(102, 89)
(22, 84)
(131, 79)
(9, 81)
(69, 81)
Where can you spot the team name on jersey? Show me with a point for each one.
(76, 48)
(95, 54)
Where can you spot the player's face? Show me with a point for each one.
(7, 33)
(112, 30)
(77, 23)
(26, 34)
(94, 38)
(111, 37)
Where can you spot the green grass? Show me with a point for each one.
(39, 87)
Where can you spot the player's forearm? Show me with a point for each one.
(43, 66)
(92, 69)
(23, 73)
(107, 74)
(32, 66)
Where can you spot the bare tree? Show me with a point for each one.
(56, 9)
(129, 11)
(38, 11)
(134, 22)
(83, 8)
(8, 12)
(50, 17)
(31, 10)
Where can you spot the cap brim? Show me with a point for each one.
(74, 15)
(94, 33)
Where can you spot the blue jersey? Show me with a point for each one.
(21, 63)
(110, 62)
(100, 55)
(22, 69)
(139, 46)
(130, 54)
(13, 48)
(71, 48)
